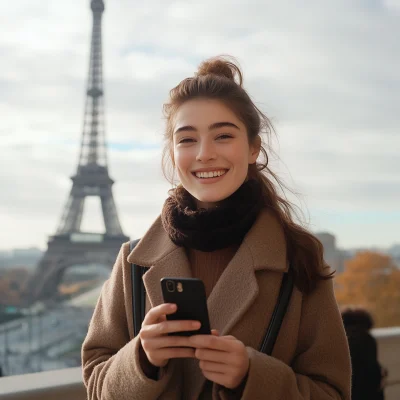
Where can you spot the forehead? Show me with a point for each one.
(203, 112)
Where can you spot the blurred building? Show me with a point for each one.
(394, 252)
(15, 257)
(332, 255)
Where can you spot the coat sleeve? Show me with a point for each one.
(321, 368)
(110, 359)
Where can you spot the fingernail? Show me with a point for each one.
(196, 324)
(172, 306)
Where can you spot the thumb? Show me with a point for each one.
(214, 332)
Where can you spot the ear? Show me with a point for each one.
(254, 150)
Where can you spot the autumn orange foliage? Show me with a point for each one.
(12, 283)
(371, 280)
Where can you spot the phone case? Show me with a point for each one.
(190, 297)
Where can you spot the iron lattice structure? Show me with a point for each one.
(70, 246)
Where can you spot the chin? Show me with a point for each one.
(213, 198)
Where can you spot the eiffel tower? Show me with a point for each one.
(70, 246)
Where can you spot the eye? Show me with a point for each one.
(186, 140)
(225, 136)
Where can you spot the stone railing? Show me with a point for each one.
(66, 384)
(63, 384)
(389, 356)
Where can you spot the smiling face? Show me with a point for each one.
(211, 151)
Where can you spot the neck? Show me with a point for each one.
(210, 205)
(205, 205)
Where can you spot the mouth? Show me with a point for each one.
(210, 174)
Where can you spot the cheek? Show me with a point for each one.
(182, 159)
(240, 157)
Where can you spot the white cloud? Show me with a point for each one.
(392, 4)
(326, 72)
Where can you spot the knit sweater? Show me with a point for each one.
(209, 266)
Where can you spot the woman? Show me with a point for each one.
(227, 225)
(368, 375)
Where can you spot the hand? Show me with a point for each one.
(223, 359)
(157, 345)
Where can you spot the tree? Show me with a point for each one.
(371, 280)
(12, 283)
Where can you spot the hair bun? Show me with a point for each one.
(220, 66)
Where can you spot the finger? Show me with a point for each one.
(215, 377)
(213, 342)
(210, 366)
(175, 352)
(157, 312)
(214, 332)
(165, 342)
(163, 328)
(229, 337)
(216, 356)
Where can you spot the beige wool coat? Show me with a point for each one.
(310, 360)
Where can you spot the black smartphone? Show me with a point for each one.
(190, 297)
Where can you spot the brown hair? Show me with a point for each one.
(220, 78)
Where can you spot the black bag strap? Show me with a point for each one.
(267, 346)
(281, 306)
(138, 292)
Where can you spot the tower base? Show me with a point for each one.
(65, 251)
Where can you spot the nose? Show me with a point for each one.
(206, 151)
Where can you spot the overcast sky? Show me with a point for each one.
(326, 73)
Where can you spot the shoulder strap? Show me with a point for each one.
(279, 313)
(138, 292)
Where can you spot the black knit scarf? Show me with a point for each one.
(214, 228)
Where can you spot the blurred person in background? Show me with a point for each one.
(368, 375)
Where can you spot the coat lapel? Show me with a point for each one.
(174, 264)
(262, 249)
(157, 251)
(234, 292)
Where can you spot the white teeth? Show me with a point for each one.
(211, 174)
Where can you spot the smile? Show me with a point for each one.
(210, 174)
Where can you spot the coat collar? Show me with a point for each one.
(265, 244)
(263, 248)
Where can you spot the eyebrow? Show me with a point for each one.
(215, 125)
